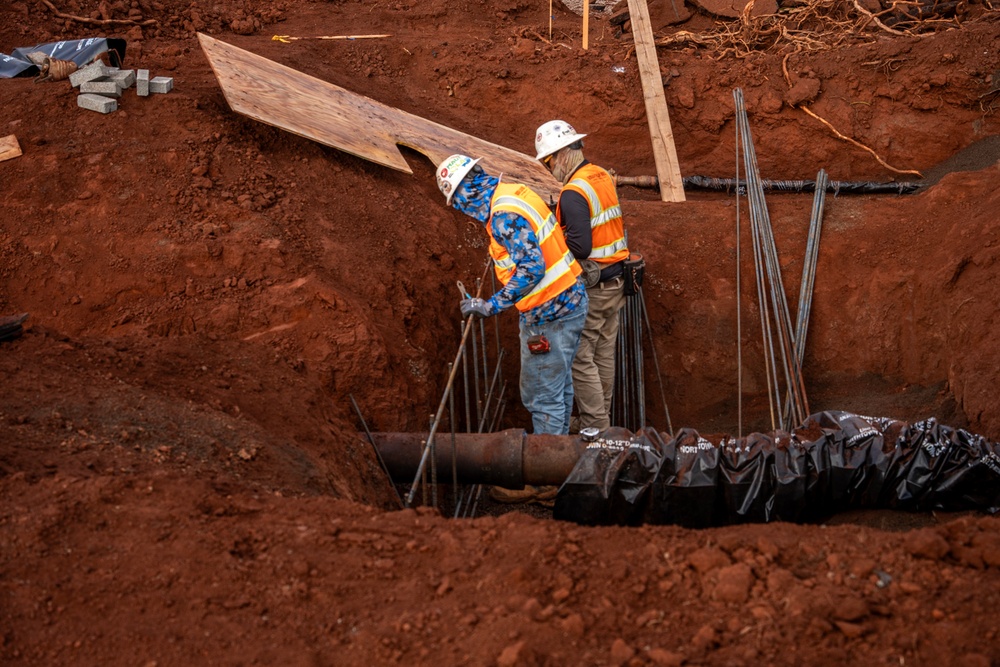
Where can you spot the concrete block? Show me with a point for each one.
(123, 77)
(98, 103)
(92, 72)
(161, 84)
(142, 83)
(106, 88)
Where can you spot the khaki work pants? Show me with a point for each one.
(594, 366)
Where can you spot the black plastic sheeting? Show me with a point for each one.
(80, 51)
(835, 461)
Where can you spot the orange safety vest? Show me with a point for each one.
(561, 269)
(606, 226)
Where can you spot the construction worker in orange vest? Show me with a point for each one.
(591, 218)
(540, 278)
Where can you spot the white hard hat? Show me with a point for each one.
(554, 135)
(451, 172)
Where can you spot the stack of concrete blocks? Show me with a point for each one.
(101, 86)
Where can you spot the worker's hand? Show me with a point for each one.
(477, 307)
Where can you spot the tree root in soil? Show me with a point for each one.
(821, 25)
(836, 133)
(90, 21)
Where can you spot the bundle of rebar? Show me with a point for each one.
(484, 405)
(628, 401)
(776, 329)
(809, 274)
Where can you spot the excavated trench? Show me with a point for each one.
(881, 351)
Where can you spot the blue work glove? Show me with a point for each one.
(477, 307)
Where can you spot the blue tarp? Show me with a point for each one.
(80, 51)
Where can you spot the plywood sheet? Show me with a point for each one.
(333, 116)
(9, 148)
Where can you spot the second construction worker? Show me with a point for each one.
(591, 218)
(539, 277)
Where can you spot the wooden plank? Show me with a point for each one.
(333, 116)
(668, 170)
(9, 148)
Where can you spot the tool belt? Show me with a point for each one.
(634, 268)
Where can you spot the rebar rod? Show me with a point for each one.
(440, 410)
(809, 267)
(432, 442)
(378, 454)
(489, 393)
(454, 447)
(475, 375)
(739, 299)
(465, 387)
(656, 363)
(482, 338)
(640, 363)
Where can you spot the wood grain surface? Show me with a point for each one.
(333, 116)
(664, 152)
(9, 148)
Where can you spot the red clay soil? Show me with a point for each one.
(181, 476)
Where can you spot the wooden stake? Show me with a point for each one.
(550, 20)
(586, 23)
(9, 148)
(664, 152)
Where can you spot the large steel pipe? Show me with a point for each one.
(510, 458)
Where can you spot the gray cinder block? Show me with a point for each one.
(123, 77)
(161, 84)
(98, 103)
(142, 83)
(106, 88)
(92, 72)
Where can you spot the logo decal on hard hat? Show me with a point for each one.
(554, 135)
(451, 172)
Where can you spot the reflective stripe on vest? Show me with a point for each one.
(607, 228)
(561, 269)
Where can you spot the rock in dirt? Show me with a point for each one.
(734, 8)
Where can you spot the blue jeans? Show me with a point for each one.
(547, 379)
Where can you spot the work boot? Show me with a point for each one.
(539, 495)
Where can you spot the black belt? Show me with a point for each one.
(610, 282)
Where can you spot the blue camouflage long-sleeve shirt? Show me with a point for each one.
(516, 235)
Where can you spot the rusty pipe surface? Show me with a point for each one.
(510, 458)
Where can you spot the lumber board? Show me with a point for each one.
(668, 169)
(9, 148)
(333, 116)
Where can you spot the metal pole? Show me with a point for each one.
(378, 454)
(656, 363)
(440, 410)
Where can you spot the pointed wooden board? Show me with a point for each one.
(668, 169)
(333, 116)
(9, 148)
